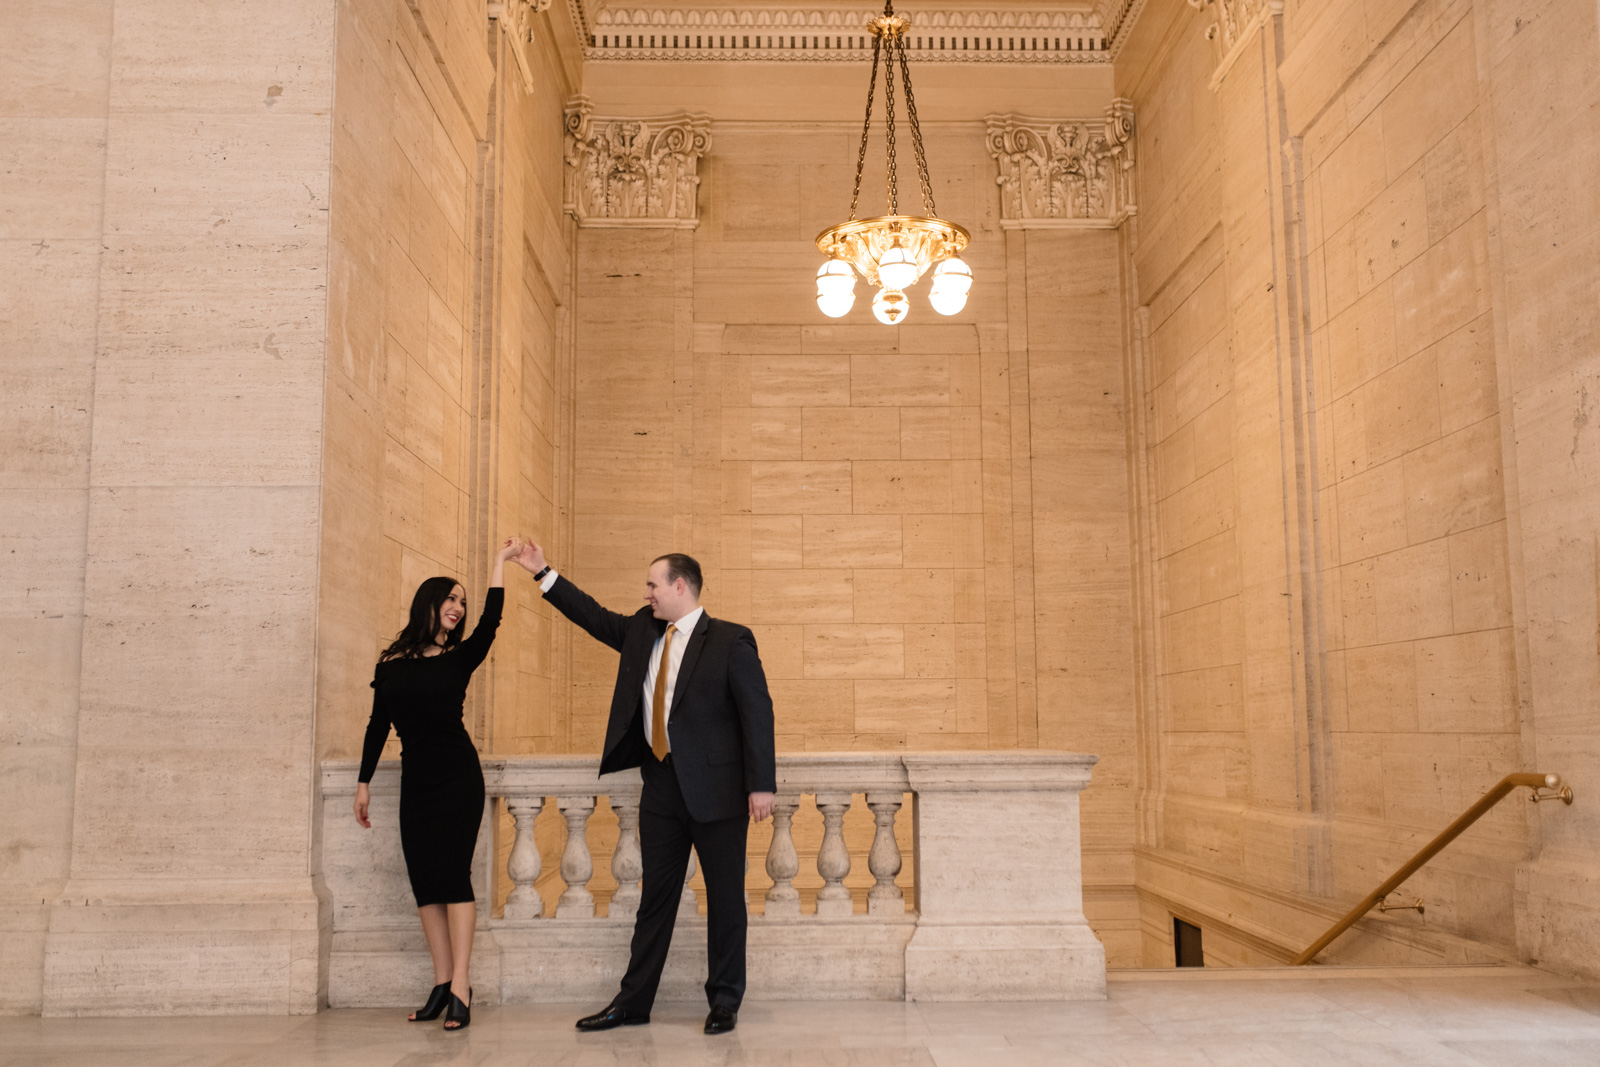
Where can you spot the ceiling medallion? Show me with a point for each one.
(892, 251)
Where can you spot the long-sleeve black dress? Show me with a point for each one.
(441, 782)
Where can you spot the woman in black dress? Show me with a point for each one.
(420, 687)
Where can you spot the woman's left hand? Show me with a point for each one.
(363, 806)
(510, 549)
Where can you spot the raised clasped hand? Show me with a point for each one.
(511, 549)
(531, 557)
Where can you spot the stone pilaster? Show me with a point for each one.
(190, 887)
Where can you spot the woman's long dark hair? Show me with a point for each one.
(423, 627)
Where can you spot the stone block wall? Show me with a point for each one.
(1279, 497)
(925, 525)
(282, 316)
(1346, 629)
(449, 273)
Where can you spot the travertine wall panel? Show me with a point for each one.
(443, 419)
(241, 518)
(866, 496)
(1336, 554)
(201, 522)
(53, 101)
(1544, 227)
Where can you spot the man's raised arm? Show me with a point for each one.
(602, 624)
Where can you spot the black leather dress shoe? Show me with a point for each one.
(721, 1021)
(612, 1017)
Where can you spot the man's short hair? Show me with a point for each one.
(682, 566)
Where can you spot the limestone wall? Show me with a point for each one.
(54, 111)
(1279, 496)
(925, 525)
(449, 268)
(175, 496)
(282, 326)
(1352, 606)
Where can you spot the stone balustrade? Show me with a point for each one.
(998, 888)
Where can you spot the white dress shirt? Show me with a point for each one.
(680, 642)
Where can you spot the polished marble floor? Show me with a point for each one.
(1460, 1016)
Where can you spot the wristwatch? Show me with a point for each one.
(539, 577)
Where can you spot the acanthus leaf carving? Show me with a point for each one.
(515, 19)
(1076, 173)
(633, 172)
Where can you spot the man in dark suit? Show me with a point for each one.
(692, 712)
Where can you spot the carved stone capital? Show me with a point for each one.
(633, 172)
(515, 19)
(1064, 175)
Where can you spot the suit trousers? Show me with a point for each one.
(666, 831)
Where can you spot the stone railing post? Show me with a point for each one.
(1018, 937)
(884, 859)
(523, 867)
(833, 858)
(577, 866)
(627, 862)
(782, 862)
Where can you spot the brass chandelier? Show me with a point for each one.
(893, 251)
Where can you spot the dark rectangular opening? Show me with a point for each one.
(1186, 944)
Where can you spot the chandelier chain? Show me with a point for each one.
(916, 138)
(890, 44)
(866, 127)
(892, 251)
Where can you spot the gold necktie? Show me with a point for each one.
(658, 703)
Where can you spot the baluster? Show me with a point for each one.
(782, 863)
(627, 863)
(524, 901)
(884, 859)
(688, 907)
(577, 866)
(833, 858)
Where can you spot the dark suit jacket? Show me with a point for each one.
(720, 725)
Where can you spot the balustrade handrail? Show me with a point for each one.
(997, 891)
(1449, 834)
(525, 783)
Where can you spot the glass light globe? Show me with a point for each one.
(952, 279)
(897, 270)
(836, 288)
(891, 306)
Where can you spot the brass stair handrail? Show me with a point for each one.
(1453, 831)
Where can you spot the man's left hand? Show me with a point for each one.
(760, 806)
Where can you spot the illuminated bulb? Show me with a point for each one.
(897, 270)
(836, 288)
(951, 281)
(891, 306)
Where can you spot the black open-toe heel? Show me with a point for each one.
(458, 1013)
(438, 1000)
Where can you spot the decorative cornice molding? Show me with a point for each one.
(1236, 21)
(1074, 174)
(515, 19)
(580, 20)
(633, 172)
(839, 35)
(1119, 16)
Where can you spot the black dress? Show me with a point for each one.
(441, 782)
